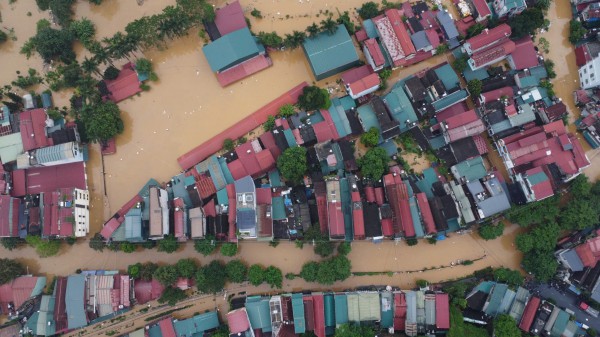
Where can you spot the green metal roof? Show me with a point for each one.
(42, 322)
(10, 147)
(560, 324)
(448, 77)
(471, 169)
(275, 178)
(528, 82)
(338, 115)
(278, 208)
(230, 50)
(329, 309)
(480, 74)
(450, 100)
(330, 52)
(390, 147)
(341, 309)
(539, 72)
(222, 197)
(197, 324)
(367, 117)
(347, 102)
(537, 178)
(298, 311)
(400, 107)
(387, 309)
(259, 313)
(289, 137)
(425, 184)
(496, 298)
(370, 28)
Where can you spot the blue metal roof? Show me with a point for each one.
(370, 28)
(298, 312)
(328, 53)
(75, 302)
(341, 309)
(259, 313)
(448, 77)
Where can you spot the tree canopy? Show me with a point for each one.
(229, 249)
(374, 163)
(324, 248)
(211, 278)
(475, 86)
(354, 330)
(576, 31)
(53, 44)
(168, 244)
(370, 138)
(491, 231)
(527, 22)
(344, 248)
(273, 277)
(506, 326)
(256, 274)
(505, 275)
(337, 268)
(9, 270)
(43, 247)
(186, 268)
(314, 98)
(167, 275)
(292, 164)
(368, 10)
(102, 121)
(205, 246)
(171, 296)
(236, 271)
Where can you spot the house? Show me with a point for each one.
(65, 213)
(468, 170)
(374, 54)
(529, 313)
(358, 221)
(524, 56)
(49, 179)
(489, 196)
(245, 205)
(421, 41)
(398, 196)
(32, 124)
(228, 19)
(235, 56)
(375, 114)
(11, 146)
(9, 217)
(486, 39)
(400, 108)
(544, 145)
(329, 54)
(591, 14)
(589, 252)
(197, 325)
(449, 28)
(481, 9)
(395, 37)
(15, 293)
(334, 210)
(159, 213)
(460, 126)
(164, 327)
(506, 119)
(60, 154)
(586, 52)
(509, 8)
(490, 96)
(491, 55)
(146, 291)
(360, 81)
(124, 86)
(589, 74)
(252, 160)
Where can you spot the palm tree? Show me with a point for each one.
(329, 25)
(313, 30)
(90, 66)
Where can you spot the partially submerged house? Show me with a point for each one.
(329, 54)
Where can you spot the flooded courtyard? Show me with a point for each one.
(187, 106)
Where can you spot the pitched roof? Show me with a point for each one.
(442, 311)
(11, 146)
(470, 169)
(589, 252)
(243, 70)
(75, 302)
(489, 36)
(482, 8)
(230, 18)
(494, 53)
(51, 178)
(524, 55)
(359, 81)
(426, 214)
(124, 86)
(496, 94)
(447, 24)
(9, 216)
(230, 50)
(327, 52)
(375, 52)
(33, 129)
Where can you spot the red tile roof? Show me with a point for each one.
(496, 94)
(57, 219)
(379, 196)
(166, 327)
(319, 306)
(230, 18)
(426, 213)
(264, 196)
(124, 86)
(51, 178)
(524, 56)
(244, 70)
(237, 321)
(19, 185)
(582, 55)
(433, 37)
(362, 85)
(453, 110)
(400, 29)
(18, 291)
(529, 313)
(356, 74)
(397, 194)
(481, 144)
(361, 35)
(325, 130)
(589, 252)
(268, 141)
(370, 194)
(461, 119)
(494, 53)
(336, 219)
(321, 199)
(239, 128)
(482, 8)
(489, 37)
(237, 169)
(442, 311)
(33, 129)
(399, 311)
(358, 216)
(387, 227)
(8, 224)
(542, 190)
(375, 52)
(205, 186)
(210, 209)
(146, 291)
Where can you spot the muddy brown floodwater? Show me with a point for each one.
(187, 106)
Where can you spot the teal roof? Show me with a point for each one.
(230, 50)
(289, 137)
(390, 147)
(329, 54)
(539, 72)
(275, 178)
(485, 287)
(154, 331)
(480, 74)
(329, 305)
(560, 324)
(42, 322)
(437, 142)
(370, 28)
(259, 313)
(197, 324)
(347, 208)
(528, 82)
(222, 197)
(298, 311)
(429, 178)
(214, 167)
(347, 102)
(537, 178)
(414, 212)
(133, 225)
(10, 147)
(450, 100)
(75, 302)
(400, 107)
(225, 170)
(341, 309)
(368, 118)
(178, 185)
(338, 115)
(278, 209)
(471, 169)
(496, 297)
(387, 309)
(448, 77)
(5, 115)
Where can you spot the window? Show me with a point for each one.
(585, 70)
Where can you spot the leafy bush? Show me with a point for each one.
(491, 231)
(374, 163)
(287, 110)
(236, 271)
(344, 248)
(205, 246)
(370, 138)
(314, 98)
(228, 144)
(111, 73)
(168, 244)
(229, 249)
(269, 124)
(256, 13)
(43, 247)
(256, 274)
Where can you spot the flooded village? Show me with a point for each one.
(460, 159)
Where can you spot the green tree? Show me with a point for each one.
(102, 121)
(133, 270)
(370, 138)
(329, 25)
(460, 64)
(505, 326)
(3, 36)
(527, 22)
(228, 144)
(324, 248)
(171, 296)
(147, 270)
(292, 164)
(354, 330)
(537, 213)
(53, 44)
(10, 243)
(211, 278)
(186, 268)
(475, 86)
(270, 39)
(273, 277)
(62, 11)
(345, 20)
(458, 327)
(43, 247)
(168, 244)
(549, 64)
(127, 247)
(344, 248)
(287, 110)
(314, 98)
(475, 30)
(576, 31)
(269, 124)
(97, 242)
(111, 73)
(442, 48)
(368, 10)
(166, 275)
(229, 249)
(236, 271)
(309, 271)
(205, 246)
(84, 31)
(374, 163)
(491, 231)
(198, 10)
(540, 238)
(9, 270)
(543, 4)
(541, 264)
(505, 275)
(337, 268)
(313, 30)
(256, 13)
(256, 274)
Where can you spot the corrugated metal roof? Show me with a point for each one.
(298, 311)
(353, 308)
(230, 50)
(341, 309)
(448, 76)
(328, 52)
(75, 302)
(369, 307)
(387, 309)
(10, 147)
(259, 313)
